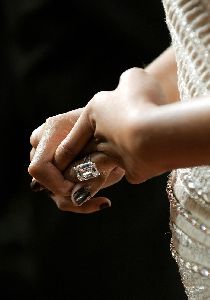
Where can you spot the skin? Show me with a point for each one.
(44, 141)
(150, 134)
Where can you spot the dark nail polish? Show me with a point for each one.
(81, 195)
(104, 205)
(35, 186)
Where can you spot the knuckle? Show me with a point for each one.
(36, 135)
(49, 120)
(32, 152)
(117, 172)
(67, 151)
(132, 173)
(60, 190)
(34, 169)
(100, 95)
(63, 205)
(33, 137)
(100, 158)
(126, 75)
(52, 121)
(131, 178)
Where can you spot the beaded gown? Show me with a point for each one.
(189, 188)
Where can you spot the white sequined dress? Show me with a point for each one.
(189, 188)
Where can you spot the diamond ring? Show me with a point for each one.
(87, 170)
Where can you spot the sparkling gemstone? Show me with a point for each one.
(186, 215)
(179, 209)
(191, 185)
(187, 265)
(203, 227)
(204, 272)
(194, 222)
(195, 268)
(205, 197)
(200, 192)
(86, 171)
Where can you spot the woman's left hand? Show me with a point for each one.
(117, 121)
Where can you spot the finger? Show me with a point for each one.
(37, 135)
(35, 186)
(85, 190)
(91, 147)
(43, 170)
(47, 138)
(114, 177)
(93, 205)
(103, 163)
(67, 120)
(75, 141)
(32, 152)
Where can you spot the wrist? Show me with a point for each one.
(164, 69)
(143, 156)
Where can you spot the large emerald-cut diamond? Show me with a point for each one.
(86, 171)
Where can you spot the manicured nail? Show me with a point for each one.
(81, 196)
(35, 186)
(104, 205)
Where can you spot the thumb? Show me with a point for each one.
(75, 141)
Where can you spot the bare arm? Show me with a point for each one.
(154, 137)
(164, 69)
(176, 135)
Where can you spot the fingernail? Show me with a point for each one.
(104, 205)
(35, 186)
(81, 195)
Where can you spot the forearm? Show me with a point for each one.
(177, 135)
(164, 69)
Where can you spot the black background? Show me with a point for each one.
(55, 55)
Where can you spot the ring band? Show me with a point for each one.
(87, 170)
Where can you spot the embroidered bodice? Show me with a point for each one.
(189, 25)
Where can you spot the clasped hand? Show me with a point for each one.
(112, 128)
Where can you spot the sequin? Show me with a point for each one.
(181, 210)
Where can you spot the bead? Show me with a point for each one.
(193, 222)
(187, 265)
(195, 268)
(186, 215)
(205, 197)
(191, 185)
(182, 211)
(203, 227)
(204, 272)
(181, 261)
(199, 192)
